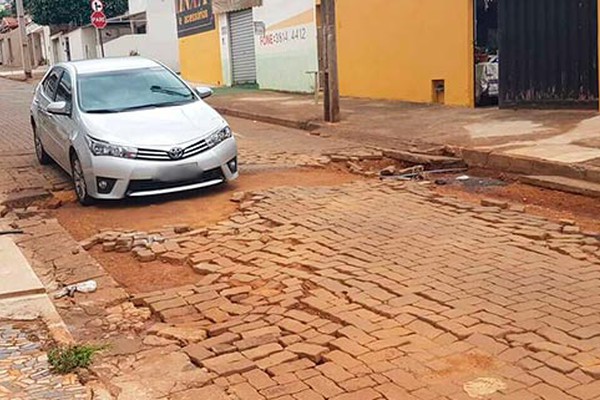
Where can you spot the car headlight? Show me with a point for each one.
(218, 137)
(99, 148)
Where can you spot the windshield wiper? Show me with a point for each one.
(103, 111)
(160, 89)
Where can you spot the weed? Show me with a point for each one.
(66, 359)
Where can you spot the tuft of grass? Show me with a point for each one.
(67, 359)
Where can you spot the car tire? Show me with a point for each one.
(79, 184)
(40, 153)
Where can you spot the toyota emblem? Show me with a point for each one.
(176, 153)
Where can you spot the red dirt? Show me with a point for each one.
(551, 204)
(139, 277)
(197, 209)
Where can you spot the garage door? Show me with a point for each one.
(243, 55)
(548, 53)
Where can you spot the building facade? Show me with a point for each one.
(455, 52)
(271, 43)
(10, 43)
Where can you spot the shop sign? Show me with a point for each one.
(194, 16)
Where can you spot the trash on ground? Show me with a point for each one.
(482, 388)
(463, 178)
(12, 232)
(82, 287)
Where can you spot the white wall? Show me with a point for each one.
(138, 6)
(225, 50)
(288, 48)
(160, 42)
(75, 44)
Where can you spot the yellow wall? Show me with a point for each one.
(393, 49)
(200, 57)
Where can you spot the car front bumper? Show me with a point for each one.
(138, 178)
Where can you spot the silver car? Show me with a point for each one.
(130, 127)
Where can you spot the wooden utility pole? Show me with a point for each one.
(25, 55)
(332, 88)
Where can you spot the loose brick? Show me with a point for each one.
(168, 304)
(244, 391)
(197, 353)
(334, 372)
(348, 346)
(259, 379)
(226, 337)
(352, 385)
(363, 394)
(291, 366)
(342, 359)
(282, 390)
(228, 364)
(262, 351)
(267, 330)
(308, 394)
(324, 386)
(357, 335)
(256, 341)
(292, 325)
(276, 359)
(312, 351)
(392, 392)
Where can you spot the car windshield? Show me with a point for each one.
(118, 91)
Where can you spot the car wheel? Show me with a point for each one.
(42, 156)
(79, 182)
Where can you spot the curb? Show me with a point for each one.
(473, 158)
(527, 165)
(288, 123)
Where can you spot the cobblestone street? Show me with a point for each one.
(355, 290)
(24, 370)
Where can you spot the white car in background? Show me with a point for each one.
(130, 127)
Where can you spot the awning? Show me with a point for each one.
(223, 6)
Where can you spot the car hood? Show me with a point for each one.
(155, 127)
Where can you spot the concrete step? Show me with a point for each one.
(16, 275)
(561, 183)
(431, 161)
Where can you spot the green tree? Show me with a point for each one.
(70, 12)
(7, 12)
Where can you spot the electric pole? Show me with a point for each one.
(332, 88)
(25, 55)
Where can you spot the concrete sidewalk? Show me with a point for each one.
(562, 139)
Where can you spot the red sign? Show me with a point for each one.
(99, 20)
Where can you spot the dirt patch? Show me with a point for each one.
(201, 208)
(138, 277)
(551, 204)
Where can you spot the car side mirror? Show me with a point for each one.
(59, 108)
(204, 92)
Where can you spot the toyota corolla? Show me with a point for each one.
(130, 127)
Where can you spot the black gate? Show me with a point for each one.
(548, 53)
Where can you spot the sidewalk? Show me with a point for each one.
(16, 73)
(523, 140)
(28, 323)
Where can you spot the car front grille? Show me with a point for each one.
(162, 155)
(144, 185)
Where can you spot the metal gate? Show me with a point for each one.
(243, 55)
(548, 53)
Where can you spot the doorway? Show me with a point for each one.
(243, 52)
(487, 61)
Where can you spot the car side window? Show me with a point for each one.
(50, 84)
(63, 92)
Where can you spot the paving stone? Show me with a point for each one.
(228, 364)
(259, 379)
(262, 351)
(311, 351)
(324, 386)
